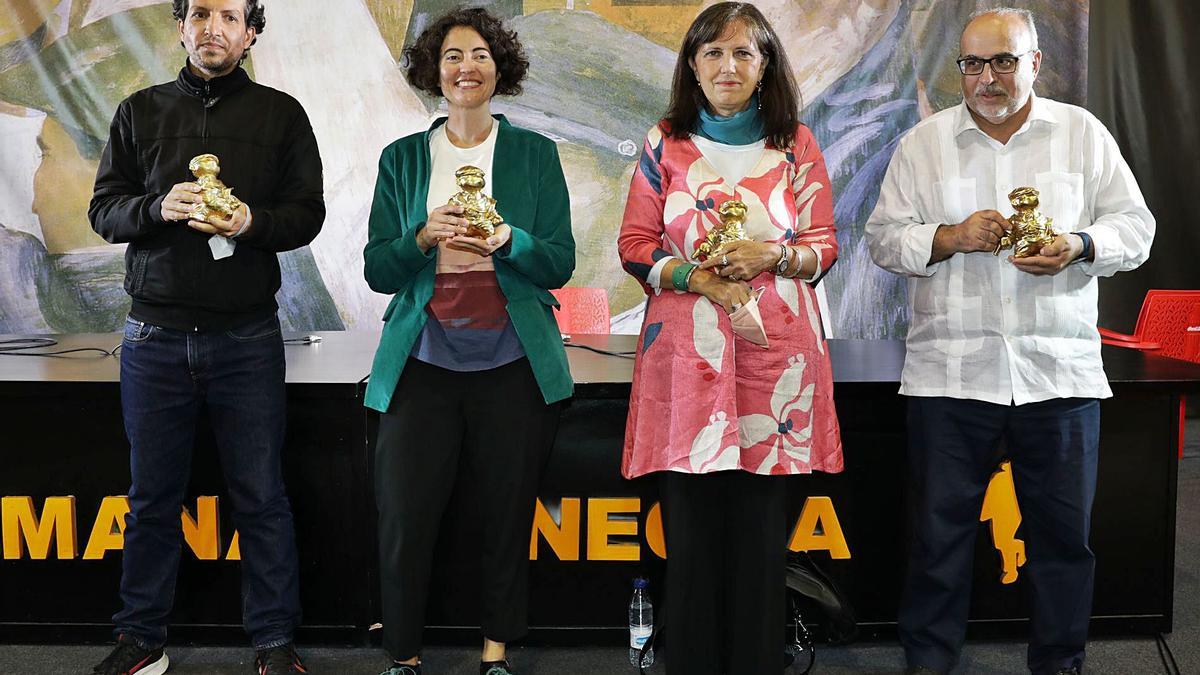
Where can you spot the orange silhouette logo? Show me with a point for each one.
(1000, 507)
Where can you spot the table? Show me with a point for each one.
(63, 438)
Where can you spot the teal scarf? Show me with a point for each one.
(742, 128)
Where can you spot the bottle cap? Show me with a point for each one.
(641, 582)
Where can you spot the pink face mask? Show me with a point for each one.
(747, 320)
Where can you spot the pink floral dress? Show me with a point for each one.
(703, 398)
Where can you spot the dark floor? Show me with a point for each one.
(1118, 657)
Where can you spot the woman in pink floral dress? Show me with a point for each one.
(721, 418)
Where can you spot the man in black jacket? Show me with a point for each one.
(202, 330)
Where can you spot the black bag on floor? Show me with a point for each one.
(807, 580)
(804, 581)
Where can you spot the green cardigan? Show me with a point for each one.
(531, 194)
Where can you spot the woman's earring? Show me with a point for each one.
(759, 88)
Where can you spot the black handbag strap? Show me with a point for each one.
(802, 641)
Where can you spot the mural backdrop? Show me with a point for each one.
(868, 69)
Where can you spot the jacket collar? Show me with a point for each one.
(194, 85)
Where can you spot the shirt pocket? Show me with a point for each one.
(958, 200)
(953, 325)
(1058, 317)
(1060, 196)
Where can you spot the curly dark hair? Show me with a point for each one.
(422, 59)
(780, 97)
(256, 18)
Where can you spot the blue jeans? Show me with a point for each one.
(954, 447)
(167, 377)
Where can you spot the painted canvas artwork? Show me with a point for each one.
(599, 77)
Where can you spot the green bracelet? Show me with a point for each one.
(687, 281)
(679, 277)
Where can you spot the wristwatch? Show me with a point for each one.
(781, 265)
(1089, 249)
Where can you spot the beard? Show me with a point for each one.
(995, 112)
(215, 61)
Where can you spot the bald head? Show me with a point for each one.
(1015, 24)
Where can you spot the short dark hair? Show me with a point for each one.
(779, 96)
(256, 18)
(421, 60)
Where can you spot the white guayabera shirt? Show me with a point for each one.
(979, 328)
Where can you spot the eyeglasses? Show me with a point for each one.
(1002, 64)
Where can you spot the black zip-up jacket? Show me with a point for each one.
(268, 155)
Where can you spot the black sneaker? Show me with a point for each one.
(127, 659)
(496, 668)
(278, 660)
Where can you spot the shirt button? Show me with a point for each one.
(1008, 301)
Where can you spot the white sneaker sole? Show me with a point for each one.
(157, 668)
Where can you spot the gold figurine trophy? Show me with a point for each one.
(478, 208)
(731, 229)
(217, 199)
(1031, 230)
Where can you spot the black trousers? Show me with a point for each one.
(493, 428)
(954, 447)
(726, 536)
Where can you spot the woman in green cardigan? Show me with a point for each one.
(470, 369)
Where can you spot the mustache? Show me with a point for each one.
(993, 89)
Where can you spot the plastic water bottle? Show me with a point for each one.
(641, 622)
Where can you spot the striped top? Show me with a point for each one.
(468, 328)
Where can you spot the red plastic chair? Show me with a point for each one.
(1168, 325)
(583, 310)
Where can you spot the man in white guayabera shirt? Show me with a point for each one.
(1002, 349)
